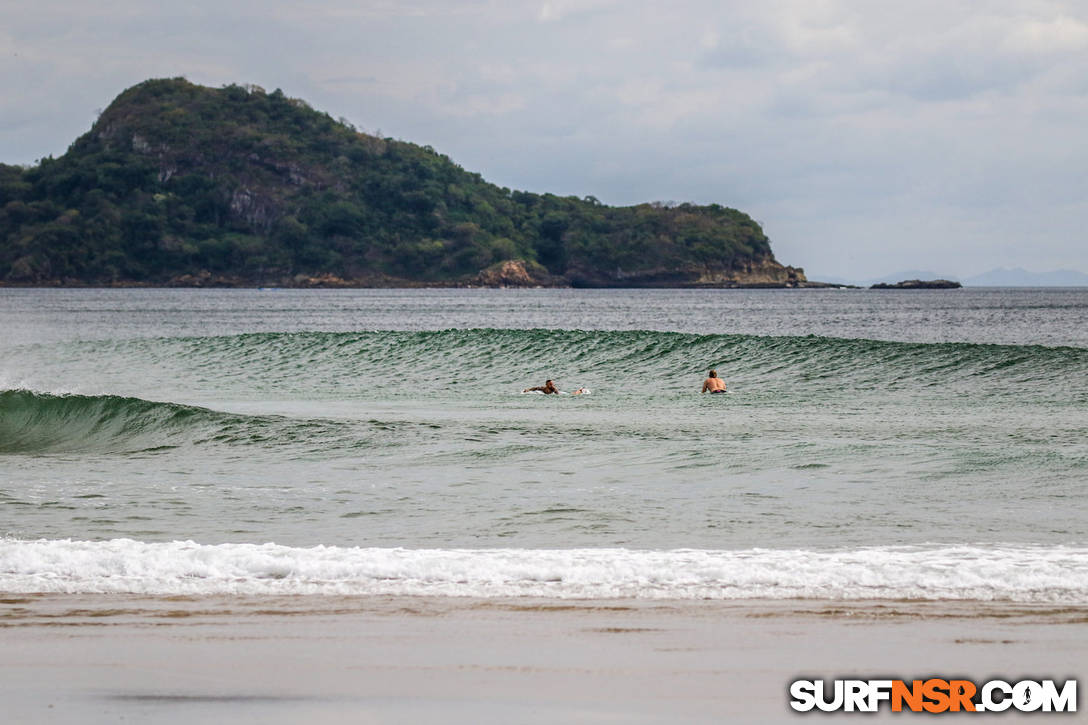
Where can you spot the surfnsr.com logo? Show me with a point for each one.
(933, 695)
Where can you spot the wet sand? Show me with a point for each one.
(109, 658)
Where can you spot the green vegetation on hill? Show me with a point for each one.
(177, 181)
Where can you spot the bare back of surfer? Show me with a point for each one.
(713, 384)
(548, 388)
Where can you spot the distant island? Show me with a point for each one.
(179, 184)
(918, 284)
(999, 277)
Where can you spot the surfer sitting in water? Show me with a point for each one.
(713, 383)
(548, 388)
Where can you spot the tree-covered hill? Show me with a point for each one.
(178, 183)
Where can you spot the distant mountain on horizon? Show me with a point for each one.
(1018, 277)
(999, 277)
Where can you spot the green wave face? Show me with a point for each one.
(483, 361)
(33, 422)
(631, 373)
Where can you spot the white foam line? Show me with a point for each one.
(969, 573)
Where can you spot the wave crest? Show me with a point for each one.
(405, 363)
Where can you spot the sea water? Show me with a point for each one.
(923, 444)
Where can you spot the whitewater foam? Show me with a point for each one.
(1055, 575)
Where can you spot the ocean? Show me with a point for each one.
(923, 445)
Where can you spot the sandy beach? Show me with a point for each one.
(111, 658)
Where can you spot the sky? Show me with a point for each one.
(865, 136)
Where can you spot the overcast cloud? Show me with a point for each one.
(866, 137)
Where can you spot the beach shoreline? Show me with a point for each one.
(332, 659)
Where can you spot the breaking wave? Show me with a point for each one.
(33, 423)
(449, 362)
(1027, 574)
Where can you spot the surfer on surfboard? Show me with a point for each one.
(713, 384)
(548, 388)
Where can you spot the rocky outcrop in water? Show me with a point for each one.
(919, 284)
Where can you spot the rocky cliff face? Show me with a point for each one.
(517, 273)
(759, 272)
